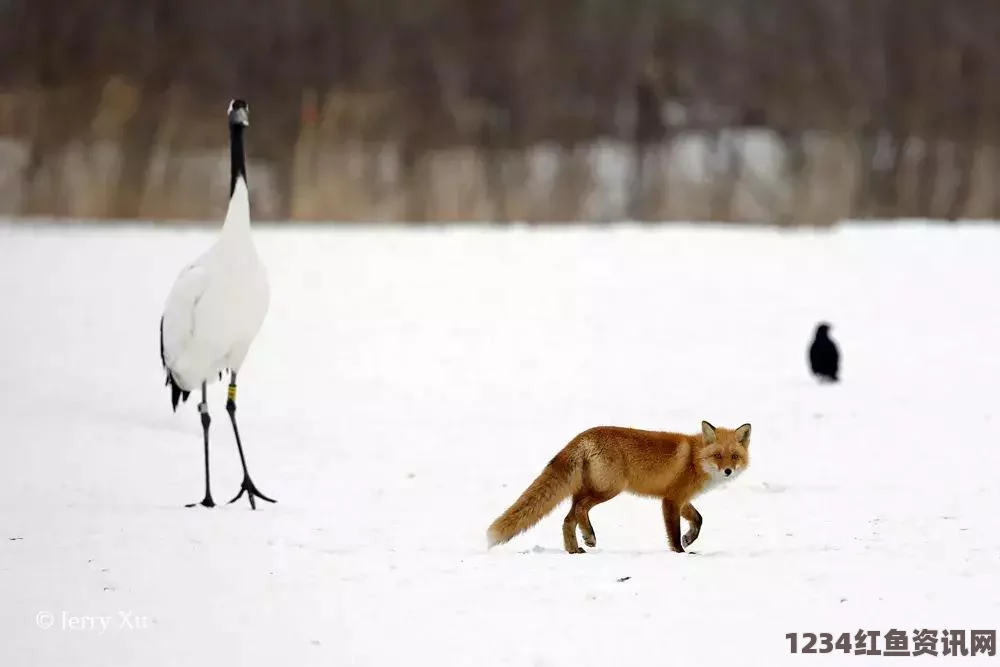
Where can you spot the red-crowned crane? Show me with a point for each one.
(216, 308)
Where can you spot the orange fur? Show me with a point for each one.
(602, 462)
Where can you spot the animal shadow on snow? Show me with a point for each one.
(697, 553)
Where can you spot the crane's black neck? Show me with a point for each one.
(237, 158)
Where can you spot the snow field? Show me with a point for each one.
(408, 384)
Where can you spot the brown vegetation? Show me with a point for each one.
(785, 111)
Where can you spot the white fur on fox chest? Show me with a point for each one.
(716, 478)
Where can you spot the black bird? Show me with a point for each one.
(824, 358)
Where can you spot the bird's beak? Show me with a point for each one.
(239, 117)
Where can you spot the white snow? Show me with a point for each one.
(408, 384)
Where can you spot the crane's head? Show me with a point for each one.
(239, 113)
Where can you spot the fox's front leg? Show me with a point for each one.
(672, 520)
(693, 517)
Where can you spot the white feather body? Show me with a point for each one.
(217, 304)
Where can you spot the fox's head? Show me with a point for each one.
(726, 453)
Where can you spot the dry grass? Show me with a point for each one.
(345, 170)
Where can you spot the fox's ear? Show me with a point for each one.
(743, 435)
(708, 431)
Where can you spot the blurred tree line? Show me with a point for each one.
(778, 110)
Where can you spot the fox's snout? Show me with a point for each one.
(725, 463)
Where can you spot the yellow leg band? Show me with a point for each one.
(232, 392)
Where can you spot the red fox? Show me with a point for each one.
(603, 461)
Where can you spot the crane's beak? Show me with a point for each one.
(239, 117)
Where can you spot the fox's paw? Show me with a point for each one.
(590, 540)
(578, 550)
(688, 539)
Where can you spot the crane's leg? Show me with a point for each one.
(205, 421)
(248, 485)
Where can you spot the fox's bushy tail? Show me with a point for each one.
(556, 482)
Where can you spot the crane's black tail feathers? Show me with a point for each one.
(176, 393)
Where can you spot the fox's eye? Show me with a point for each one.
(718, 456)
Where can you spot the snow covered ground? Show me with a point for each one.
(408, 384)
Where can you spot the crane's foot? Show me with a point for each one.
(205, 502)
(248, 488)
